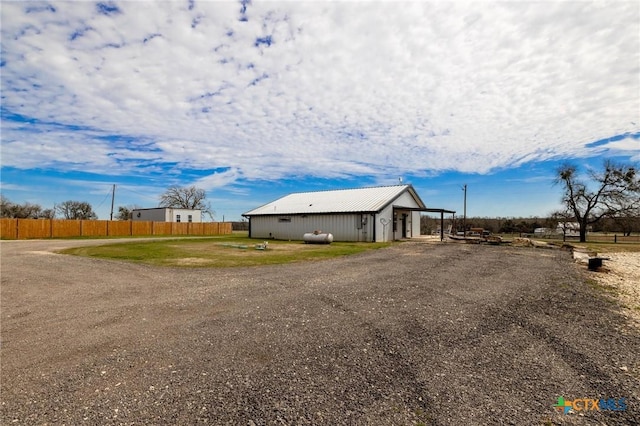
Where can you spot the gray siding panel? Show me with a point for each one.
(344, 227)
(405, 200)
(167, 214)
(154, 215)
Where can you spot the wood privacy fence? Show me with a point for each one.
(13, 229)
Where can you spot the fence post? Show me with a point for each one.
(615, 238)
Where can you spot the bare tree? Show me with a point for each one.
(186, 198)
(48, 213)
(561, 219)
(5, 206)
(612, 192)
(76, 210)
(22, 211)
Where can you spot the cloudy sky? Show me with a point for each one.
(253, 100)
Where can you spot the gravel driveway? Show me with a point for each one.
(442, 334)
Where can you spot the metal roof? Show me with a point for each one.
(371, 199)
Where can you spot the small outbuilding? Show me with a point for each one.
(374, 214)
(167, 214)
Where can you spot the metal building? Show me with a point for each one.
(167, 214)
(378, 214)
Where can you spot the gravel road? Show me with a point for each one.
(442, 334)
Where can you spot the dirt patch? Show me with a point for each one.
(622, 273)
(42, 252)
(192, 261)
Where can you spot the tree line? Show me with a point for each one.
(527, 225)
(176, 197)
(66, 210)
(601, 200)
(605, 199)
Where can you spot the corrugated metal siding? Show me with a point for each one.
(405, 200)
(344, 227)
(385, 233)
(154, 215)
(415, 224)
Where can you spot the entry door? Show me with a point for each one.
(404, 225)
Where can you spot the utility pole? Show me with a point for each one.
(464, 219)
(113, 197)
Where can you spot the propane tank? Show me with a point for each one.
(317, 237)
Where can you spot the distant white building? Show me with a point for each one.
(167, 214)
(568, 229)
(547, 232)
(384, 213)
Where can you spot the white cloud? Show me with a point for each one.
(627, 146)
(327, 89)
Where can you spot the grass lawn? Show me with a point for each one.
(223, 251)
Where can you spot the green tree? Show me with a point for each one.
(124, 212)
(614, 191)
(508, 227)
(627, 223)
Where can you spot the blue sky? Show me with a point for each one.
(253, 100)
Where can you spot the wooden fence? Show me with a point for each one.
(593, 237)
(12, 229)
(611, 238)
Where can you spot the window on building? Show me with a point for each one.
(177, 218)
(284, 219)
(190, 218)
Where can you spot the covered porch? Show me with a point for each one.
(402, 221)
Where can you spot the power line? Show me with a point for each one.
(99, 205)
(138, 193)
